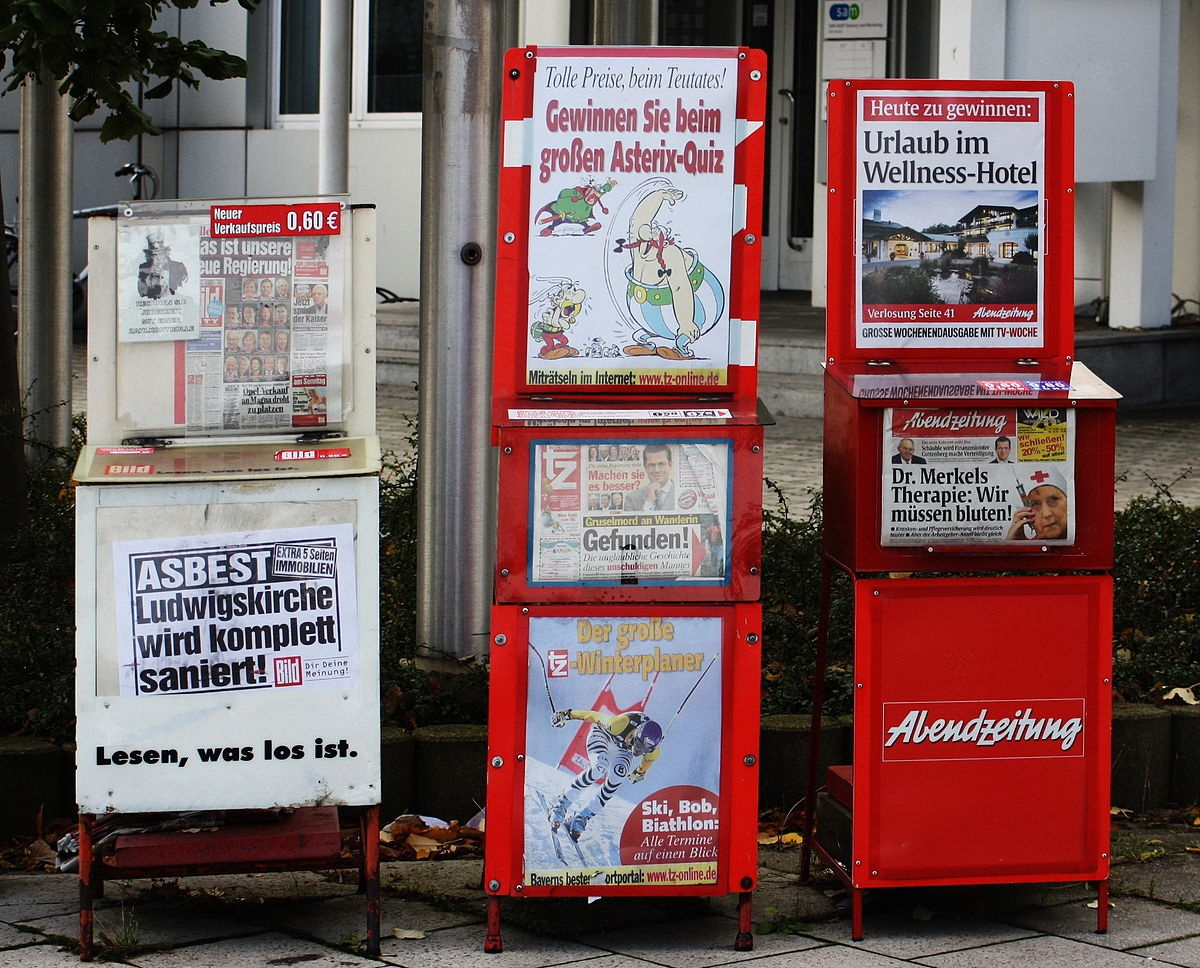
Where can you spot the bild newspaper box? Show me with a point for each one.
(227, 502)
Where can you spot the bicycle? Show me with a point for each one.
(143, 185)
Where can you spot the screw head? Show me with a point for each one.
(749, 759)
(756, 75)
(493, 885)
(501, 639)
(497, 762)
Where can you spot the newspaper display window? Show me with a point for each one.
(976, 475)
(233, 318)
(645, 511)
(950, 190)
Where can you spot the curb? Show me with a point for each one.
(441, 771)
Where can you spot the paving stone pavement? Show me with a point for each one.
(313, 919)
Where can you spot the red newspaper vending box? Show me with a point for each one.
(958, 471)
(962, 437)
(630, 476)
(623, 750)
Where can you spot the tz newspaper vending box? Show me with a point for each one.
(961, 436)
(630, 476)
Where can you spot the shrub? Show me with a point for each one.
(791, 598)
(898, 284)
(1156, 627)
(1156, 598)
(37, 603)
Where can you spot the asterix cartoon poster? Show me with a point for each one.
(631, 214)
(623, 751)
(951, 212)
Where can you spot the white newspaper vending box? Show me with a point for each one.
(227, 513)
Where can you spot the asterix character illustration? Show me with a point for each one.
(612, 743)
(669, 293)
(565, 303)
(574, 206)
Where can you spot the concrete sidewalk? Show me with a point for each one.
(312, 919)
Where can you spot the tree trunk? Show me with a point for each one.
(12, 444)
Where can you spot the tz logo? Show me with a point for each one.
(558, 664)
(559, 469)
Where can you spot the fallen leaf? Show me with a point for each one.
(408, 934)
(922, 913)
(791, 839)
(1095, 904)
(39, 853)
(1184, 693)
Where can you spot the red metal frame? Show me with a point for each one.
(1057, 249)
(743, 528)
(512, 261)
(228, 852)
(737, 854)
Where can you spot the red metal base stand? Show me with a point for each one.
(745, 935)
(220, 855)
(493, 944)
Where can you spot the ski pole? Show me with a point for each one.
(671, 724)
(545, 678)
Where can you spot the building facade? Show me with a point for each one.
(1138, 145)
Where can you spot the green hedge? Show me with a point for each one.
(1156, 632)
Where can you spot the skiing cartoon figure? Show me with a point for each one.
(669, 293)
(565, 304)
(613, 742)
(574, 206)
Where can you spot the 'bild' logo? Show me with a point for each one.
(1008, 729)
(288, 671)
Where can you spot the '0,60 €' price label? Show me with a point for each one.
(305, 218)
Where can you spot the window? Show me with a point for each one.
(385, 60)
